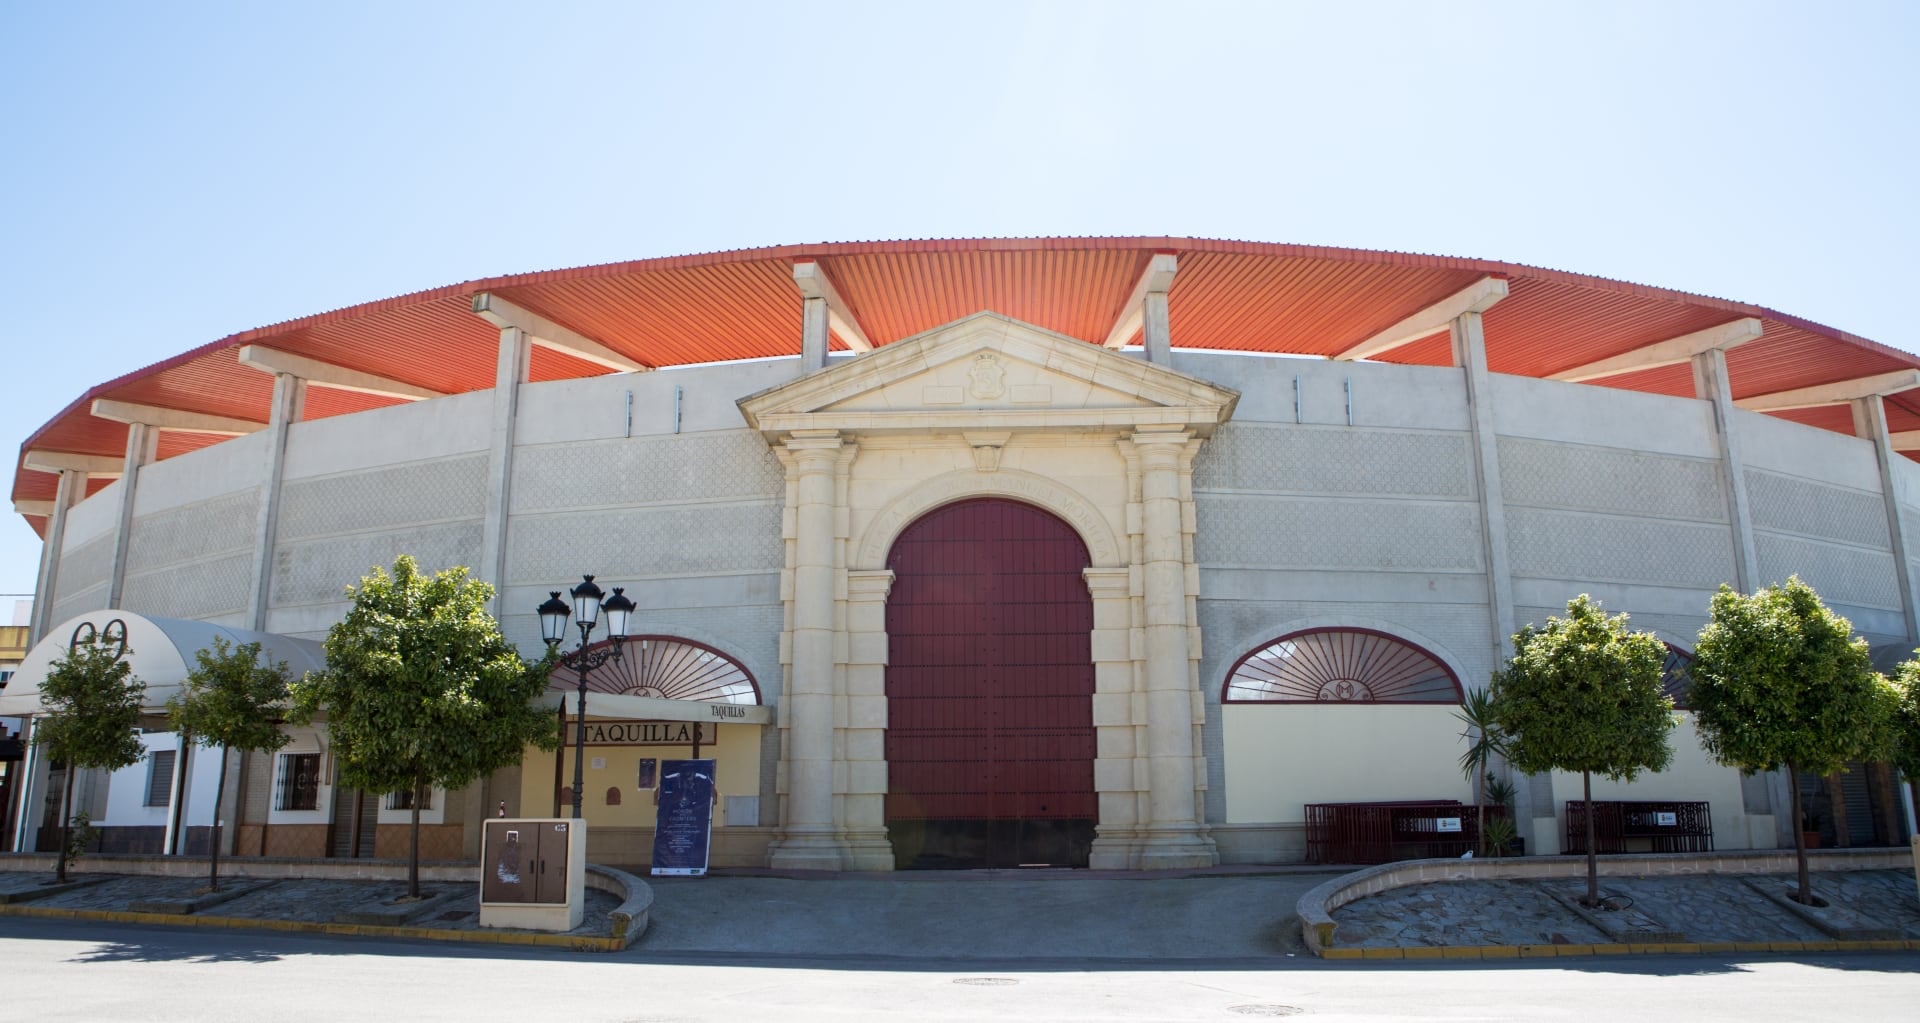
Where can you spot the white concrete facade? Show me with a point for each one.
(1224, 500)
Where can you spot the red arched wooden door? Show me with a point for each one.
(990, 737)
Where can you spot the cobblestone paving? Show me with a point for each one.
(1706, 908)
(1888, 896)
(1461, 913)
(315, 901)
(1712, 907)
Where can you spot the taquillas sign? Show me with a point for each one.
(646, 733)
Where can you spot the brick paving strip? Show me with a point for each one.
(447, 911)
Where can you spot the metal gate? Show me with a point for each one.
(990, 738)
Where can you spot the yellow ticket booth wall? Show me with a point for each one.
(622, 777)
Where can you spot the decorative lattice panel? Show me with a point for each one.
(1341, 666)
(1268, 532)
(691, 467)
(380, 499)
(666, 668)
(1320, 460)
(1550, 475)
(646, 542)
(199, 589)
(1577, 546)
(84, 567)
(320, 571)
(1791, 505)
(1846, 575)
(193, 532)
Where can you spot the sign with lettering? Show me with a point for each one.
(1446, 824)
(683, 822)
(1666, 820)
(649, 733)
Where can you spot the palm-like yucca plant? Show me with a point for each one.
(1484, 742)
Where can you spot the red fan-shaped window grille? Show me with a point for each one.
(1340, 666)
(1676, 676)
(666, 667)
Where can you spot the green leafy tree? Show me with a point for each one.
(93, 720)
(1584, 694)
(1484, 741)
(231, 700)
(1904, 736)
(422, 690)
(1778, 681)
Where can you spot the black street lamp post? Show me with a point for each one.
(553, 628)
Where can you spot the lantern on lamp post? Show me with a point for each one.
(588, 603)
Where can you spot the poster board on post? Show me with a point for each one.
(683, 821)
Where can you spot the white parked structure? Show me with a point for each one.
(1105, 552)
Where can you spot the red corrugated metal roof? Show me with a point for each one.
(721, 306)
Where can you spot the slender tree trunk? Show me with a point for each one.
(213, 843)
(1479, 804)
(413, 857)
(1805, 895)
(1593, 849)
(66, 824)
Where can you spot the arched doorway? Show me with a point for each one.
(989, 683)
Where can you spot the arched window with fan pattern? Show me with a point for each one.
(668, 668)
(1339, 665)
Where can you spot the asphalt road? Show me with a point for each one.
(60, 970)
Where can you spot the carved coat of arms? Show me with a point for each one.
(988, 378)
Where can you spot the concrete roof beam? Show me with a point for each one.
(1670, 352)
(62, 461)
(812, 280)
(1835, 393)
(1477, 297)
(160, 418)
(548, 334)
(327, 374)
(1158, 277)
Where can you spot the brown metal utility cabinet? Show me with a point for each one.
(533, 873)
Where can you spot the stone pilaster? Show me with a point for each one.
(289, 404)
(809, 837)
(1172, 836)
(1710, 384)
(71, 490)
(511, 369)
(863, 812)
(1119, 765)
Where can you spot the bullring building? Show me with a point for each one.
(1112, 552)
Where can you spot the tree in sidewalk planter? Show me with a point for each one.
(421, 690)
(1584, 694)
(1778, 681)
(1484, 741)
(93, 720)
(231, 700)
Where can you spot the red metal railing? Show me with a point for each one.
(1620, 827)
(1384, 832)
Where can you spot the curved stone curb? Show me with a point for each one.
(1317, 926)
(625, 923)
(629, 920)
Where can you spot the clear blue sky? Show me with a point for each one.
(178, 172)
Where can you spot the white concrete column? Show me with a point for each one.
(1172, 837)
(71, 490)
(27, 790)
(289, 405)
(510, 371)
(1870, 422)
(1710, 384)
(1470, 354)
(1156, 330)
(864, 734)
(141, 442)
(813, 335)
(809, 838)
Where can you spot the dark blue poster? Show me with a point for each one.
(683, 822)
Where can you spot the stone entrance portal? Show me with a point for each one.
(989, 684)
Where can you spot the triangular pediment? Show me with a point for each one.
(988, 370)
